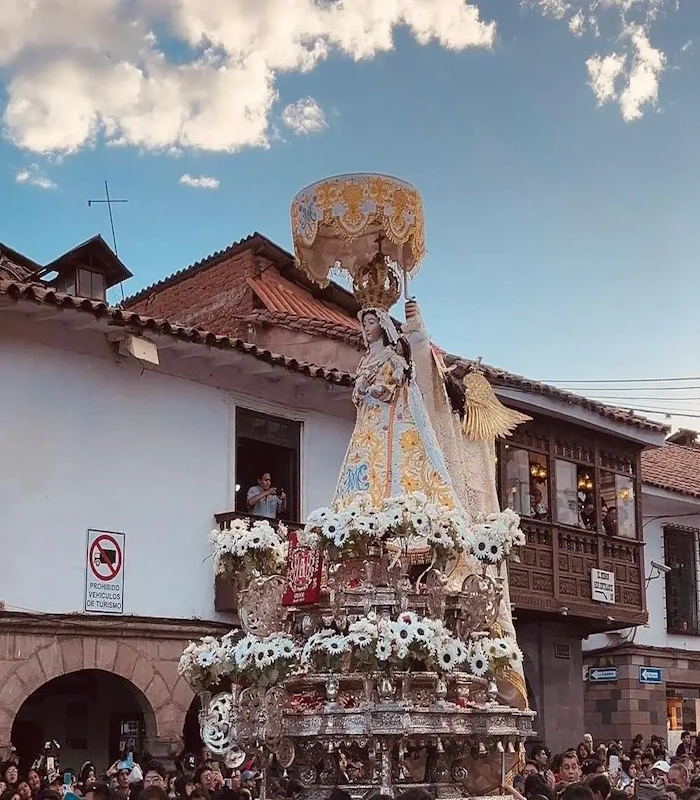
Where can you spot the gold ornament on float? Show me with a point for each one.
(376, 284)
(336, 223)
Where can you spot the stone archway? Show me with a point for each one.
(151, 666)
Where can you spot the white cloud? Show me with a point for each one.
(32, 176)
(630, 75)
(603, 72)
(304, 116)
(199, 181)
(638, 71)
(79, 71)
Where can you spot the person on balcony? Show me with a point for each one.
(264, 500)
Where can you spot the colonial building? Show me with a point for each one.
(123, 436)
(573, 472)
(652, 672)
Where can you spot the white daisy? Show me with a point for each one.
(478, 664)
(516, 657)
(447, 655)
(206, 658)
(360, 639)
(335, 645)
(404, 628)
(330, 528)
(499, 648)
(383, 650)
(423, 632)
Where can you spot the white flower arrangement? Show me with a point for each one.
(374, 643)
(201, 664)
(252, 546)
(495, 535)
(417, 522)
(494, 656)
(249, 659)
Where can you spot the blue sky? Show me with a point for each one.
(556, 154)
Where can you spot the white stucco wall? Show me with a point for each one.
(659, 509)
(85, 443)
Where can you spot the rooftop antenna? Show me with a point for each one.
(108, 200)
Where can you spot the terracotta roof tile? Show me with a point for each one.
(279, 294)
(673, 467)
(136, 323)
(330, 330)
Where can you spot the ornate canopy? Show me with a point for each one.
(338, 224)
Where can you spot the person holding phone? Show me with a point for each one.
(264, 500)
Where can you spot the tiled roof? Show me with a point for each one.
(139, 324)
(220, 255)
(291, 305)
(14, 265)
(673, 467)
(279, 294)
(330, 330)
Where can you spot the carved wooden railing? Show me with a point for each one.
(226, 590)
(555, 575)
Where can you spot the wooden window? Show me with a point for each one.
(91, 284)
(681, 582)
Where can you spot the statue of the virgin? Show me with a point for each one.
(393, 449)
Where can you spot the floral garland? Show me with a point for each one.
(251, 546)
(374, 643)
(418, 522)
(250, 660)
(370, 644)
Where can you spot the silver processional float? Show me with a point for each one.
(376, 649)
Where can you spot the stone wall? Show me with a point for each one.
(625, 707)
(35, 649)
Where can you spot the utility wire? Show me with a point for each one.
(622, 380)
(639, 398)
(632, 388)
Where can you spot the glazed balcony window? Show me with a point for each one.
(618, 512)
(527, 483)
(576, 504)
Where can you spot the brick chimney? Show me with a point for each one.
(684, 437)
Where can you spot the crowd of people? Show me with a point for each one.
(192, 779)
(647, 771)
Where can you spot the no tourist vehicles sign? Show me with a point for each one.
(104, 573)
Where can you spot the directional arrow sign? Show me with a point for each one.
(602, 674)
(653, 675)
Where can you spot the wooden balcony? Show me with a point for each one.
(554, 576)
(225, 590)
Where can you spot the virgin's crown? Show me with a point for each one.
(377, 285)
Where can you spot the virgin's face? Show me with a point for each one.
(373, 331)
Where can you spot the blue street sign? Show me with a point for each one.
(652, 675)
(602, 674)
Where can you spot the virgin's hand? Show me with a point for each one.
(379, 392)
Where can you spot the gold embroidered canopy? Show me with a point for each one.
(338, 224)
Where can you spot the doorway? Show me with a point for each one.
(87, 713)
